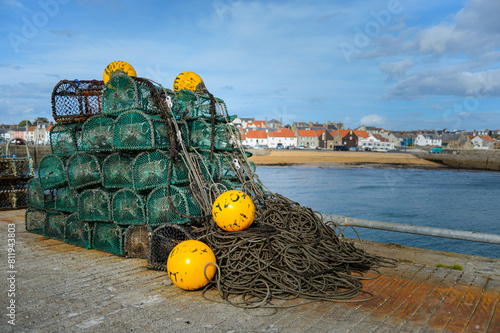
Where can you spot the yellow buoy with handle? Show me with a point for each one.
(118, 66)
(190, 264)
(233, 210)
(190, 81)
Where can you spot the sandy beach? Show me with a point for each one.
(326, 158)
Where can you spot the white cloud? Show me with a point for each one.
(395, 69)
(373, 120)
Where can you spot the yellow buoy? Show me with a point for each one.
(187, 265)
(233, 210)
(188, 80)
(118, 66)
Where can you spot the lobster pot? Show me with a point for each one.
(37, 197)
(52, 172)
(190, 105)
(34, 220)
(55, 224)
(177, 206)
(202, 165)
(63, 139)
(14, 194)
(123, 92)
(128, 208)
(94, 205)
(149, 170)
(16, 167)
(231, 185)
(76, 101)
(163, 240)
(201, 135)
(108, 237)
(117, 170)
(77, 232)
(137, 238)
(135, 130)
(84, 169)
(66, 199)
(97, 134)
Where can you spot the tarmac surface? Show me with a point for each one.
(64, 288)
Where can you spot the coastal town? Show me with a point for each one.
(331, 135)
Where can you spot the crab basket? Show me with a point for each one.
(95, 205)
(13, 195)
(55, 224)
(66, 199)
(84, 169)
(189, 105)
(108, 237)
(77, 232)
(163, 240)
(171, 204)
(128, 208)
(16, 167)
(76, 101)
(64, 139)
(150, 169)
(34, 220)
(203, 166)
(123, 92)
(52, 172)
(117, 170)
(135, 130)
(201, 135)
(97, 134)
(39, 198)
(137, 239)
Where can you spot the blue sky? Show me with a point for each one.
(396, 64)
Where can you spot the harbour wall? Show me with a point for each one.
(466, 159)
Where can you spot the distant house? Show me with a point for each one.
(256, 138)
(482, 142)
(346, 137)
(375, 142)
(452, 140)
(307, 138)
(242, 122)
(325, 139)
(273, 123)
(282, 135)
(428, 140)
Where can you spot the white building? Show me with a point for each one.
(284, 136)
(375, 142)
(254, 138)
(428, 140)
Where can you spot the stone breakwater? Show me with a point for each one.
(466, 159)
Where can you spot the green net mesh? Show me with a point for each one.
(34, 220)
(150, 169)
(176, 206)
(137, 238)
(190, 105)
(117, 170)
(163, 240)
(63, 139)
(77, 232)
(108, 237)
(52, 172)
(55, 224)
(84, 169)
(94, 205)
(66, 199)
(36, 196)
(135, 130)
(123, 92)
(128, 208)
(201, 135)
(75, 100)
(97, 134)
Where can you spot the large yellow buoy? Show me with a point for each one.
(187, 265)
(118, 66)
(188, 80)
(233, 210)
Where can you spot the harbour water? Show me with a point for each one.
(452, 199)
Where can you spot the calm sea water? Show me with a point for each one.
(452, 199)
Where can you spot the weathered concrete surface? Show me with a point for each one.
(466, 159)
(64, 288)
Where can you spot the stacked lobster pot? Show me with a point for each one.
(121, 174)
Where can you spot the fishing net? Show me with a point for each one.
(123, 92)
(137, 238)
(84, 169)
(52, 172)
(190, 105)
(171, 204)
(128, 208)
(63, 139)
(94, 205)
(34, 220)
(150, 169)
(117, 170)
(66, 199)
(97, 134)
(201, 135)
(13, 194)
(55, 224)
(76, 101)
(77, 232)
(108, 237)
(135, 130)
(163, 240)
(37, 197)
(16, 167)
